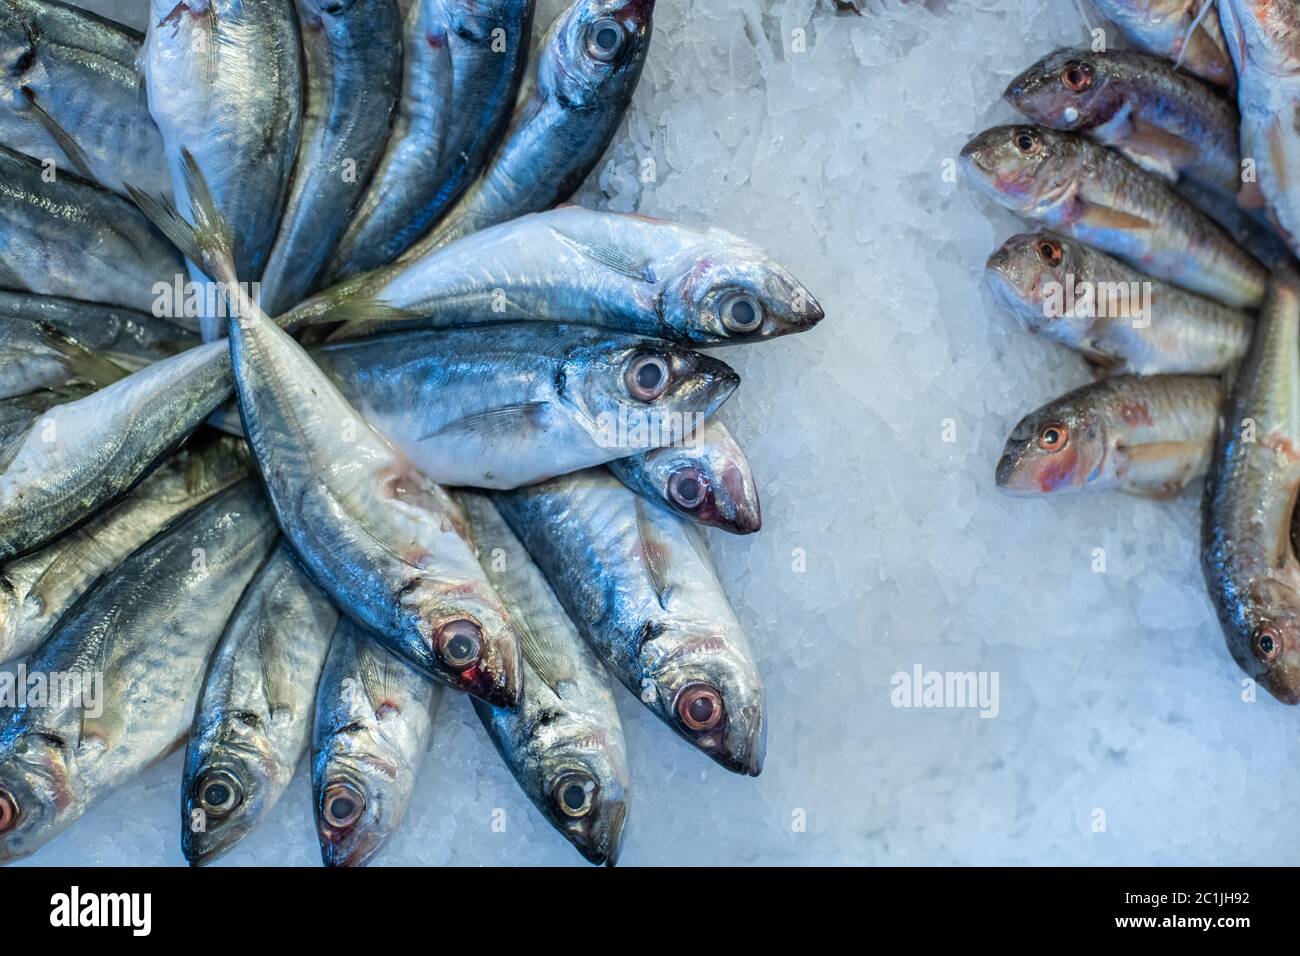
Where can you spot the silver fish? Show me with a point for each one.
(1186, 31)
(621, 272)
(528, 402)
(136, 647)
(35, 590)
(585, 72)
(34, 355)
(706, 479)
(353, 70)
(564, 743)
(637, 581)
(71, 93)
(374, 714)
(72, 238)
(253, 721)
(463, 63)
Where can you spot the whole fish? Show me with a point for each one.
(706, 479)
(353, 53)
(463, 63)
(638, 584)
(1247, 552)
(1148, 436)
(621, 272)
(528, 402)
(71, 238)
(586, 71)
(1167, 122)
(1119, 320)
(253, 721)
(1264, 38)
(564, 743)
(225, 82)
(374, 713)
(71, 93)
(1186, 31)
(1095, 195)
(37, 589)
(136, 646)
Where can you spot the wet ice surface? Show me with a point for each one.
(1119, 705)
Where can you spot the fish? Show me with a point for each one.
(1093, 194)
(705, 479)
(1264, 39)
(34, 355)
(71, 93)
(617, 271)
(225, 85)
(1120, 321)
(353, 54)
(637, 582)
(374, 715)
(1247, 552)
(564, 743)
(1185, 31)
(385, 543)
(1149, 436)
(136, 645)
(578, 88)
(464, 60)
(1166, 121)
(254, 715)
(37, 589)
(63, 235)
(526, 403)
(19, 412)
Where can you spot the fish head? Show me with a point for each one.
(1030, 274)
(466, 638)
(710, 693)
(35, 791)
(707, 479)
(229, 775)
(1059, 448)
(1022, 167)
(594, 52)
(1264, 637)
(354, 819)
(1068, 90)
(727, 290)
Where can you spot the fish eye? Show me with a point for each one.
(9, 811)
(1266, 643)
(574, 794)
(687, 487)
(741, 312)
(1076, 76)
(604, 39)
(218, 793)
(1050, 252)
(699, 707)
(646, 377)
(1027, 141)
(342, 805)
(1053, 436)
(459, 643)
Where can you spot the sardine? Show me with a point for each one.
(1148, 436)
(526, 403)
(1185, 31)
(1164, 120)
(374, 714)
(706, 479)
(1119, 320)
(71, 93)
(564, 743)
(353, 53)
(253, 721)
(136, 645)
(37, 589)
(638, 584)
(1094, 194)
(585, 72)
(1247, 552)
(463, 63)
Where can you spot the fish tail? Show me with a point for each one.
(207, 241)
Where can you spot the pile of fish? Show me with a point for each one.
(1167, 182)
(317, 399)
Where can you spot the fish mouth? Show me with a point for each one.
(1008, 478)
(749, 517)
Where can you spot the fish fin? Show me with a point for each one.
(1100, 364)
(357, 312)
(9, 279)
(654, 551)
(1159, 150)
(442, 82)
(1164, 491)
(83, 363)
(378, 670)
(486, 423)
(1277, 154)
(608, 256)
(1101, 217)
(205, 242)
(538, 653)
(62, 138)
(105, 726)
